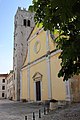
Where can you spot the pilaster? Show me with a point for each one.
(67, 84)
(48, 66)
(28, 73)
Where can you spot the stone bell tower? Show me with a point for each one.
(23, 26)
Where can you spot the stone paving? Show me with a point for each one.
(71, 112)
(11, 110)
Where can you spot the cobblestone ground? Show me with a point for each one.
(11, 110)
(71, 112)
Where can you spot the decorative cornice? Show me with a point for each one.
(42, 57)
(37, 75)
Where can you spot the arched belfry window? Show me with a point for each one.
(24, 22)
(37, 76)
(28, 24)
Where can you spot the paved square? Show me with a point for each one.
(12, 110)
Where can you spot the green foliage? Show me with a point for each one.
(63, 15)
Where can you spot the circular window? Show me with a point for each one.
(37, 46)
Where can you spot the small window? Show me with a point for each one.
(3, 80)
(3, 87)
(2, 94)
(24, 22)
(29, 23)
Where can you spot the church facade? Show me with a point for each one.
(39, 73)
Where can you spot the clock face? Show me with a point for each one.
(37, 46)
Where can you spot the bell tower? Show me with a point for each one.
(23, 26)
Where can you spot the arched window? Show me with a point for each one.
(24, 22)
(28, 23)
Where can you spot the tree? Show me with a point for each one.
(63, 15)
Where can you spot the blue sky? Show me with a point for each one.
(8, 9)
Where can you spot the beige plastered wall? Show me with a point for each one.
(24, 84)
(58, 86)
(41, 68)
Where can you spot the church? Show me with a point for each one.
(39, 74)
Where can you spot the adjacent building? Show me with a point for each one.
(3, 86)
(39, 73)
(23, 26)
(10, 86)
(75, 88)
